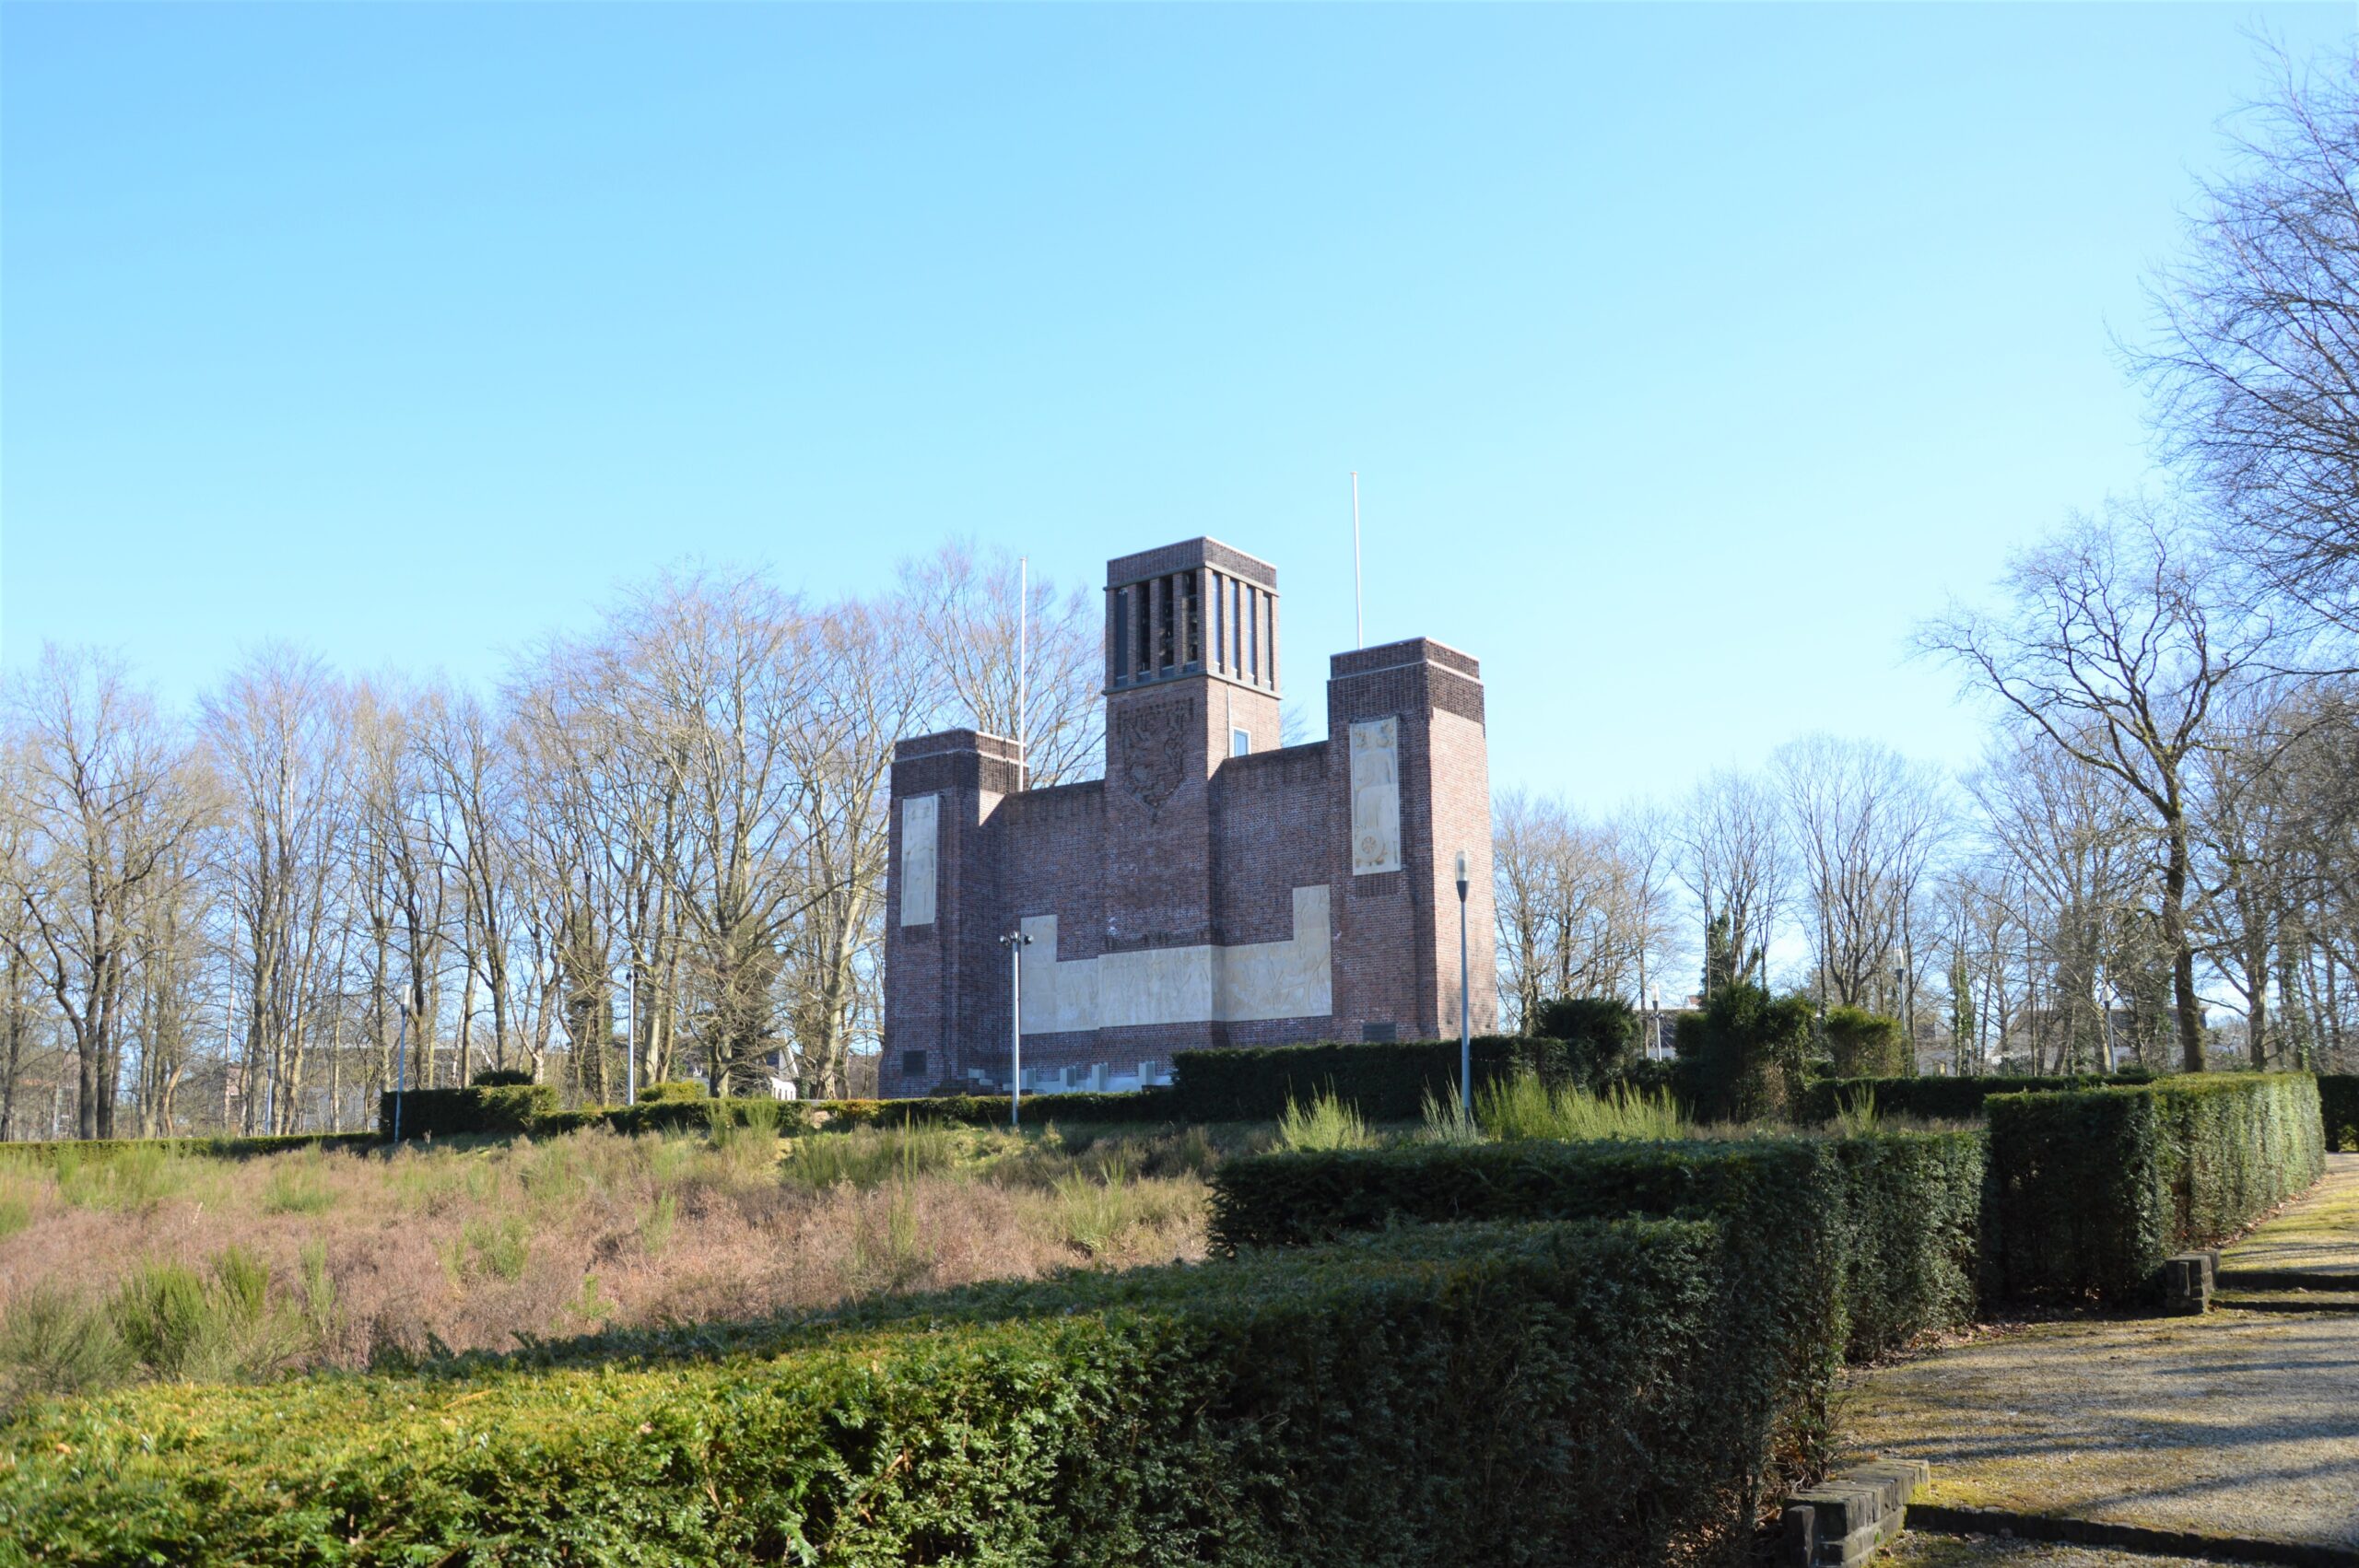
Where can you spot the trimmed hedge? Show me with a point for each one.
(2339, 1107)
(1495, 1394)
(1886, 1227)
(1864, 1044)
(1944, 1099)
(441, 1113)
(211, 1148)
(2093, 1190)
(1154, 1104)
(1386, 1080)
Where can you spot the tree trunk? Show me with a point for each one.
(2187, 1010)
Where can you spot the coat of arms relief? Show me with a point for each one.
(1155, 751)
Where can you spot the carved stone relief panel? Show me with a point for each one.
(1155, 750)
(1376, 796)
(919, 816)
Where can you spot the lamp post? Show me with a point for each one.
(1016, 942)
(1465, 1005)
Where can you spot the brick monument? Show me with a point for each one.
(1214, 888)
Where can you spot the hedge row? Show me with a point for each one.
(2093, 1190)
(1498, 1394)
(1387, 1080)
(1942, 1099)
(505, 1110)
(1884, 1230)
(215, 1148)
(2338, 1106)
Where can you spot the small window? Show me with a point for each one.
(1240, 743)
(913, 1064)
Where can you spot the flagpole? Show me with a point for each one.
(1359, 617)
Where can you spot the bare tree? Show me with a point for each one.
(2256, 364)
(1731, 851)
(1865, 824)
(2115, 643)
(107, 803)
(963, 619)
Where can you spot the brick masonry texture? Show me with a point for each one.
(1181, 844)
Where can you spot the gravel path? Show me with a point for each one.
(1919, 1551)
(2240, 1423)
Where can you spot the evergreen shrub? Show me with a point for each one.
(1748, 1048)
(1941, 1099)
(1601, 1031)
(1151, 1104)
(673, 1090)
(444, 1113)
(1384, 1081)
(1511, 1395)
(501, 1077)
(2094, 1189)
(1865, 1045)
(1886, 1228)
(2339, 1107)
(224, 1148)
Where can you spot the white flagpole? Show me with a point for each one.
(1359, 617)
(1023, 659)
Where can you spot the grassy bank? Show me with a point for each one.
(157, 1263)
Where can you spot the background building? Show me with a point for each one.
(1214, 888)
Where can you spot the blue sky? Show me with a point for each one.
(1688, 354)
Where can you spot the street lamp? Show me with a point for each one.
(1465, 1009)
(1016, 942)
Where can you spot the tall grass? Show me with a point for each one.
(296, 1188)
(1325, 1123)
(867, 1157)
(1448, 1122)
(1523, 1107)
(751, 1143)
(1855, 1115)
(134, 1178)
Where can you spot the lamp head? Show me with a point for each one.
(1462, 876)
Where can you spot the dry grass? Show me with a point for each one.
(359, 1256)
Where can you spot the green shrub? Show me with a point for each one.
(1941, 1099)
(1888, 1226)
(673, 1090)
(1383, 1081)
(501, 1077)
(1866, 1044)
(1602, 1031)
(503, 1109)
(1503, 1395)
(52, 1342)
(93, 1151)
(1747, 1046)
(2094, 1189)
(2339, 1108)
(1154, 1105)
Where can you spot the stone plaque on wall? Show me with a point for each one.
(919, 814)
(1376, 796)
